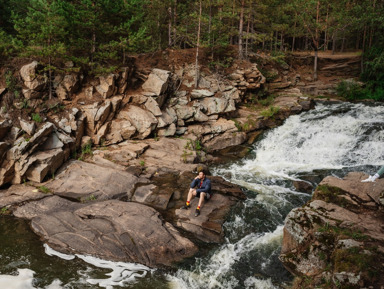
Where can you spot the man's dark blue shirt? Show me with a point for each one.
(204, 187)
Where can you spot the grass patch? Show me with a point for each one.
(343, 233)
(86, 150)
(44, 190)
(353, 260)
(270, 112)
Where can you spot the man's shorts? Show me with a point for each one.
(206, 197)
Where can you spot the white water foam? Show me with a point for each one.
(254, 283)
(121, 273)
(310, 142)
(214, 272)
(21, 281)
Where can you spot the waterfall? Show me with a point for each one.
(331, 139)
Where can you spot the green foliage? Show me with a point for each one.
(102, 33)
(44, 190)
(142, 163)
(36, 117)
(12, 84)
(350, 90)
(8, 44)
(279, 58)
(270, 112)
(373, 73)
(89, 198)
(25, 104)
(343, 233)
(193, 145)
(86, 150)
(4, 211)
(267, 101)
(353, 260)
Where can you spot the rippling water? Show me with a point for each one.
(332, 139)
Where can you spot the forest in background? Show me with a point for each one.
(101, 34)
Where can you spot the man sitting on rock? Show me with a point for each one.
(201, 188)
(375, 176)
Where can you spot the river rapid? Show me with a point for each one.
(332, 139)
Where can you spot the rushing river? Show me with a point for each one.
(329, 140)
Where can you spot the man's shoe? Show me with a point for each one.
(185, 207)
(197, 212)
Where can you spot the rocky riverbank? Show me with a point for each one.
(337, 239)
(101, 168)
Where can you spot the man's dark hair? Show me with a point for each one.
(203, 171)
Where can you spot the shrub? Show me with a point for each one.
(350, 90)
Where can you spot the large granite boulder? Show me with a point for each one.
(107, 86)
(112, 230)
(144, 121)
(337, 237)
(157, 82)
(85, 181)
(32, 79)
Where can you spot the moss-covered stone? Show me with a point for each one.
(330, 195)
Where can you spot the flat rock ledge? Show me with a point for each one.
(121, 213)
(337, 238)
(113, 230)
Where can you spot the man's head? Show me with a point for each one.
(201, 175)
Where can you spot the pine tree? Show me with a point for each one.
(43, 31)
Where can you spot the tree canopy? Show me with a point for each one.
(101, 32)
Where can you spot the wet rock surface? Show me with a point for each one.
(122, 213)
(338, 237)
(112, 230)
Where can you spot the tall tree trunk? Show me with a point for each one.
(232, 41)
(209, 22)
(358, 37)
(315, 64)
(334, 43)
(170, 26)
(247, 38)
(363, 48)
(281, 41)
(343, 42)
(276, 40)
(325, 31)
(316, 42)
(93, 49)
(174, 23)
(372, 28)
(49, 71)
(294, 37)
(241, 25)
(197, 76)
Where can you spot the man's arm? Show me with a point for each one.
(194, 183)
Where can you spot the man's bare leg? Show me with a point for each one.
(191, 194)
(201, 201)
